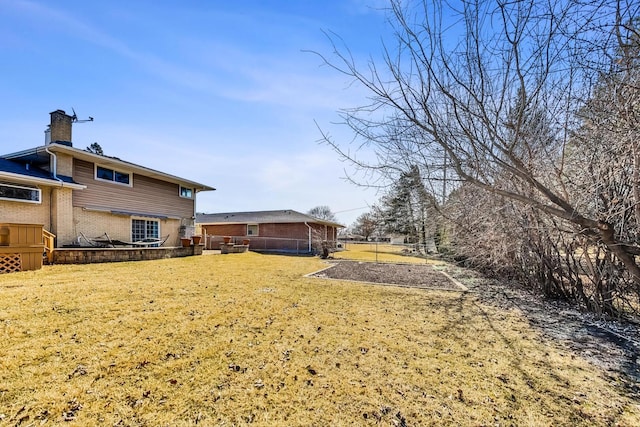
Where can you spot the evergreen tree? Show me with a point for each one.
(95, 148)
(408, 209)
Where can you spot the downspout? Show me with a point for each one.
(55, 167)
(305, 223)
(55, 176)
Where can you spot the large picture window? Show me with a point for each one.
(112, 175)
(20, 194)
(142, 229)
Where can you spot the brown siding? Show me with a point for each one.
(147, 195)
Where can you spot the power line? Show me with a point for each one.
(353, 209)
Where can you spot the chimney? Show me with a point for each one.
(60, 128)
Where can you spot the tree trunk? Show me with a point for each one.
(629, 261)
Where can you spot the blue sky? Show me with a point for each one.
(220, 92)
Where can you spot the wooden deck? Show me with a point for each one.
(21, 247)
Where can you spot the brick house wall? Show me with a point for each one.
(238, 230)
(54, 213)
(287, 237)
(74, 201)
(30, 213)
(95, 224)
(64, 164)
(62, 216)
(70, 221)
(92, 206)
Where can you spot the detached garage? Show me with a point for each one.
(285, 231)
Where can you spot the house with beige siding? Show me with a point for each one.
(74, 192)
(269, 231)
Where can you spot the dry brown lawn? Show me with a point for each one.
(247, 339)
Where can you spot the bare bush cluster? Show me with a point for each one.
(533, 107)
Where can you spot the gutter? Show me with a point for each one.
(31, 180)
(19, 154)
(115, 162)
(110, 161)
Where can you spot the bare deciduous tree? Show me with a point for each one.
(506, 93)
(366, 225)
(323, 212)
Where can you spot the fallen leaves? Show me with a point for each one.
(71, 411)
(78, 371)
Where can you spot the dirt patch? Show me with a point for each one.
(420, 276)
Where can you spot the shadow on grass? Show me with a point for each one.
(532, 372)
(617, 353)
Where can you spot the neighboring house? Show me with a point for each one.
(72, 191)
(397, 239)
(275, 231)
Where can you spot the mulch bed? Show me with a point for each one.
(421, 276)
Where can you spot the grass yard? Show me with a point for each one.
(246, 339)
(379, 252)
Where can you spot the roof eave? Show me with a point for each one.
(25, 179)
(112, 161)
(331, 224)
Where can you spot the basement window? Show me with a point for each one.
(252, 229)
(18, 193)
(119, 177)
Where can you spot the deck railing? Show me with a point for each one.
(49, 244)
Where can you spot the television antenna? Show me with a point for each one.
(74, 118)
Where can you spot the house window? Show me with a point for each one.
(112, 175)
(186, 192)
(142, 229)
(20, 194)
(252, 229)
